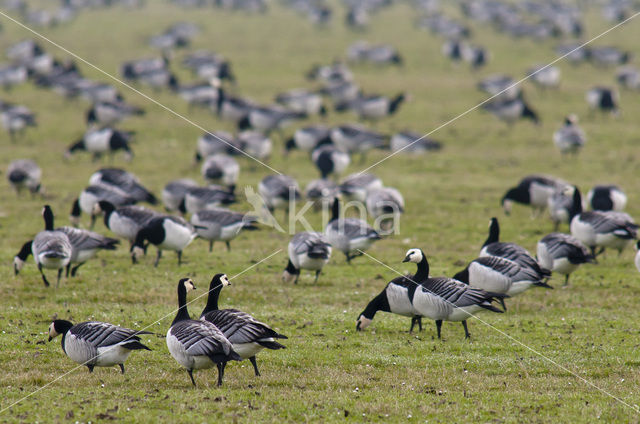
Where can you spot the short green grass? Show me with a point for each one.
(328, 371)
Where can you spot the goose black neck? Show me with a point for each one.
(576, 204)
(48, 218)
(75, 209)
(25, 251)
(107, 208)
(291, 269)
(183, 313)
(462, 276)
(378, 303)
(62, 326)
(214, 295)
(422, 271)
(494, 232)
(335, 210)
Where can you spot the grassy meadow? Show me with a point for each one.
(329, 372)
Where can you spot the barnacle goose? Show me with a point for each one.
(356, 139)
(247, 335)
(604, 229)
(132, 69)
(307, 250)
(221, 167)
(164, 232)
(211, 143)
(562, 253)
(603, 98)
(96, 344)
(356, 186)
(303, 101)
(544, 76)
(452, 49)
(15, 118)
(51, 249)
(533, 190)
(321, 192)
(309, 138)
(174, 192)
(475, 56)
(411, 143)
(125, 181)
(373, 107)
(99, 141)
(210, 197)
(349, 235)
(629, 77)
(84, 246)
(110, 113)
(277, 191)
(269, 118)
(24, 173)
(197, 344)
(440, 298)
(570, 138)
(518, 254)
(637, 258)
(254, 144)
(510, 110)
(564, 204)
(125, 221)
(385, 205)
(330, 160)
(92, 195)
(220, 224)
(606, 198)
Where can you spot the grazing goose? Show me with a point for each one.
(356, 139)
(604, 229)
(518, 254)
(349, 235)
(101, 141)
(278, 191)
(356, 186)
(247, 335)
(629, 77)
(309, 138)
(385, 202)
(211, 197)
(502, 85)
(440, 298)
(84, 246)
(221, 225)
(110, 113)
(92, 195)
(222, 168)
(330, 160)
(174, 192)
(510, 110)
(97, 344)
(235, 109)
(411, 143)
(125, 181)
(202, 93)
(51, 249)
(164, 232)
(307, 250)
(132, 69)
(544, 76)
(380, 54)
(254, 144)
(608, 56)
(302, 101)
(15, 118)
(269, 118)
(341, 92)
(570, 138)
(604, 99)
(373, 107)
(197, 344)
(11, 75)
(562, 253)
(533, 190)
(125, 221)
(475, 56)
(211, 143)
(24, 173)
(321, 192)
(565, 203)
(606, 198)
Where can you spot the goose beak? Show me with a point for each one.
(50, 338)
(406, 259)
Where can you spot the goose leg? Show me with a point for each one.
(191, 375)
(44, 278)
(566, 280)
(68, 267)
(221, 366)
(413, 322)
(466, 330)
(504, 307)
(439, 327)
(228, 246)
(90, 366)
(58, 280)
(121, 368)
(74, 270)
(179, 257)
(255, 365)
(348, 258)
(158, 256)
(420, 324)
(317, 275)
(210, 245)
(93, 221)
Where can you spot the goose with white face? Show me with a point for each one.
(362, 323)
(414, 256)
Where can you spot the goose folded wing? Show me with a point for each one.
(103, 334)
(602, 223)
(82, 239)
(502, 265)
(239, 327)
(455, 292)
(201, 338)
(354, 228)
(506, 250)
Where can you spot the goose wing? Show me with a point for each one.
(200, 338)
(618, 223)
(87, 240)
(505, 250)
(354, 228)
(239, 327)
(138, 214)
(103, 334)
(223, 217)
(455, 292)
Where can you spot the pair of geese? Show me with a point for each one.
(219, 336)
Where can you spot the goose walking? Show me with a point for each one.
(221, 225)
(349, 235)
(307, 250)
(97, 344)
(562, 253)
(606, 198)
(24, 173)
(197, 344)
(247, 335)
(102, 141)
(164, 232)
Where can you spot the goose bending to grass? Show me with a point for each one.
(353, 138)
(197, 344)
(532, 190)
(93, 194)
(307, 250)
(221, 168)
(637, 258)
(278, 191)
(174, 192)
(164, 232)
(606, 198)
(565, 203)
(247, 335)
(221, 225)
(84, 246)
(330, 160)
(604, 229)
(105, 140)
(125, 181)
(604, 99)
(321, 192)
(349, 235)
(440, 298)
(387, 203)
(570, 138)
(125, 221)
(24, 173)
(97, 344)
(356, 186)
(210, 197)
(562, 253)
(309, 138)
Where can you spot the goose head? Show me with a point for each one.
(220, 280)
(362, 323)
(188, 284)
(58, 327)
(414, 255)
(290, 273)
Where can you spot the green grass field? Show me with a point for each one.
(328, 371)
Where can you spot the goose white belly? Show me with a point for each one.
(247, 350)
(305, 141)
(612, 241)
(230, 232)
(82, 255)
(488, 279)
(583, 231)
(86, 202)
(360, 243)
(123, 226)
(303, 261)
(464, 313)
(340, 163)
(563, 266)
(180, 354)
(97, 141)
(518, 287)
(177, 236)
(262, 121)
(82, 352)
(540, 195)
(431, 306)
(52, 263)
(112, 355)
(637, 260)
(374, 108)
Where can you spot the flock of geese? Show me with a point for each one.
(501, 270)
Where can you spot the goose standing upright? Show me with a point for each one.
(349, 234)
(197, 344)
(97, 344)
(247, 335)
(306, 250)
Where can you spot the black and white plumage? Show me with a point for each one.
(84, 246)
(109, 113)
(174, 192)
(562, 253)
(545, 76)
(608, 56)
(197, 344)
(124, 221)
(511, 110)
(439, 298)
(606, 198)
(125, 181)
(166, 233)
(309, 138)
(16, 118)
(502, 85)
(51, 249)
(105, 140)
(321, 192)
(356, 186)
(269, 118)
(636, 260)
(604, 99)
(255, 144)
(385, 201)
(24, 173)
(307, 250)
(11, 75)
(409, 142)
(376, 54)
(532, 190)
(197, 199)
(212, 143)
(220, 224)
(97, 344)
(247, 335)
(349, 235)
(629, 77)
(91, 195)
(201, 93)
(452, 49)
(221, 168)
(356, 139)
(475, 56)
(330, 160)
(373, 107)
(133, 69)
(604, 229)
(302, 101)
(564, 204)
(277, 191)
(570, 138)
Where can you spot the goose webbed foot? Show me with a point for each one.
(255, 365)
(68, 268)
(90, 368)
(466, 330)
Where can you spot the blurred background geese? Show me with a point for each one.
(356, 139)
(197, 344)
(356, 186)
(277, 191)
(100, 141)
(97, 344)
(562, 253)
(106, 113)
(125, 181)
(606, 198)
(247, 335)
(330, 160)
(164, 232)
(386, 203)
(309, 138)
(220, 224)
(125, 221)
(91, 195)
(307, 250)
(174, 192)
(532, 190)
(24, 173)
(210, 197)
(564, 204)
(221, 168)
(604, 99)
(570, 138)
(604, 229)
(349, 235)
